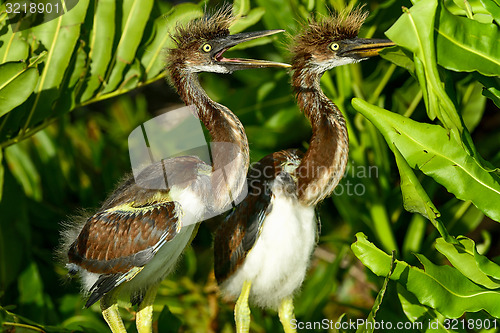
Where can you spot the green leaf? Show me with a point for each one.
(1, 173)
(101, 45)
(134, 19)
(399, 58)
(24, 171)
(30, 286)
(414, 31)
(429, 148)
(13, 46)
(415, 199)
(466, 45)
(241, 7)
(493, 7)
(59, 37)
(487, 266)
(378, 301)
(168, 322)
(440, 287)
(461, 256)
(247, 21)
(491, 88)
(17, 82)
(418, 313)
(152, 60)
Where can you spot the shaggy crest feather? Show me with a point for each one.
(204, 28)
(323, 31)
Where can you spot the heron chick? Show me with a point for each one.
(263, 249)
(134, 240)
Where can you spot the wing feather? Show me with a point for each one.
(238, 234)
(116, 240)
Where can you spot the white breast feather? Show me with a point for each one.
(278, 262)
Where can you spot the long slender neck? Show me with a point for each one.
(325, 161)
(229, 147)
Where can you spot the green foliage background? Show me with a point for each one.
(422, 178)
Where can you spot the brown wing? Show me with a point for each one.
(115, 241)
(238, 234)
(137, 218)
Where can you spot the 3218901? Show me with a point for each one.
(472, 324)
(32, 8)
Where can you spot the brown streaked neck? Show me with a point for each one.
(325, 161)
(224, 127)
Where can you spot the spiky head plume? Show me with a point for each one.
(204, 28)
(190, 37)
(318, 34)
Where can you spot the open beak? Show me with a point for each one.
(362, 48)
(225, 43)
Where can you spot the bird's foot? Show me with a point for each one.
(144, 316)
(109, 308)
(286, 315)
(242, 311)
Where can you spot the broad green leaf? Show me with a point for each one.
(153, 58)
(419, 314)
(241, 7)
(73, 81)
(59, 37)
(487, 266)
(247, 21)
(17, 82)
(13, 46)
(461, 256)
(491, 88)
(101, 45)
(378, 301)
(415, 199)
(472, 105)
(414, 236)
(429, 148)
(442, 288)
(134, 19)
(493, 7)
(467, 45)
(400, 58)
(24, 171)
(414, 31)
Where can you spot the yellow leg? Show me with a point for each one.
(109, 308)
(241, 310)
(144, 316)
(286, 315)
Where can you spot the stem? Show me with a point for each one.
(382, 227)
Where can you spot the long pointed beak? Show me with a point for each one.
(224, 43)
(364, 47)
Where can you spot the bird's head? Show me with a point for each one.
(332, 41)
(201, 43)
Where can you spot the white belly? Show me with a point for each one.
(278, 262)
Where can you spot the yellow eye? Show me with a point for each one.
(334, 46)
(206, 47)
